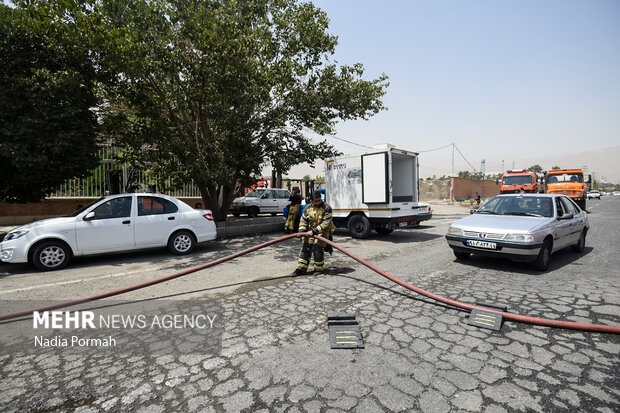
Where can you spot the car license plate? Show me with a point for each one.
(481, 244)
(403, 224)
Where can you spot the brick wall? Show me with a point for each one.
(463, 189)
(435, 189)
(458, 189)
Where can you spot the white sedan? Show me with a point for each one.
(111, 224)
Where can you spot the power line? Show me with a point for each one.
(472, 167)
(340, 139)
(344, 140)
(436, 149)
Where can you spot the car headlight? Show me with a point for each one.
(454, 230)
(15, 235)
(519, 237)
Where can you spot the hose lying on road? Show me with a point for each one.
(453, 303)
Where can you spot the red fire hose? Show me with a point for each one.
(508, 316)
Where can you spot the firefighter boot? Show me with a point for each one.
(297, 272)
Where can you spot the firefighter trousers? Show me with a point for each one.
(293, 214)
(307, 249)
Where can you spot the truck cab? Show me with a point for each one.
(569, 182)
(515, 181)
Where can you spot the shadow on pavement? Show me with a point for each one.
(558, 260)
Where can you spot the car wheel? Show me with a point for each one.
(236, 214)
(384, 231)
(359, 226)
(544, 257)
(461, 255)
(581, 244)
(181, 243)
(253, 212)
(51, 255)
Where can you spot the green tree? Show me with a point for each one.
(535, 168)
(211, 91)
(555, 168)
(47, 125)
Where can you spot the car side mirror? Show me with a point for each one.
(90, 216)
(472, 211)
(567, 216)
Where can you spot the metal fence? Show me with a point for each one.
(112, 176)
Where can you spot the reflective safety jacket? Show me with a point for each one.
(317, 218)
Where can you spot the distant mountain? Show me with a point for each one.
(603, 163)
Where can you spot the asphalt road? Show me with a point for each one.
(275, 353)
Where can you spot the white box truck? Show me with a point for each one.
(375, 190)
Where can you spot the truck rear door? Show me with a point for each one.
(375, 188)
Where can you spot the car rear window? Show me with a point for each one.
(152, 205)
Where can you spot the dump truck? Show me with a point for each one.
(377, 190)
(569, 182)
(522, 180)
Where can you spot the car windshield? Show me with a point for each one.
(517, 180)
(81, 208)
(530, 206)
(254, 194)
(566, 177)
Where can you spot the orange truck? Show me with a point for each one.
(569, 182)
(517, 181)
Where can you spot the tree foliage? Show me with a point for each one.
(211, 91)
(535, 168)
(478, 175)
(47, 126)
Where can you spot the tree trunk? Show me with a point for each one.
(211, 197)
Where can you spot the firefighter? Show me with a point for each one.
(293, 211)
(316, 220)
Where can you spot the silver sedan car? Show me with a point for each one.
(521, 227)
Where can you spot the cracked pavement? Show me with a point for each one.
(419, 355)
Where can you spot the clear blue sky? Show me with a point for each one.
(501, 79)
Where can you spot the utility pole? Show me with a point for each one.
(452, 158)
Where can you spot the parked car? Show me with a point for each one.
(594, 194)
(110, 224)
(260, 200)
(528, 227)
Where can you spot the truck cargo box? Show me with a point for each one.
(375, 190)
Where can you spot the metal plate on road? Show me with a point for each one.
(485, 319)
(344, 331)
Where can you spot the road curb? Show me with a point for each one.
(250, 226)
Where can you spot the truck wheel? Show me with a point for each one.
(253, 212)
(181, 242)
(359, 226)
(51, 255)
(384, 231)
(544, 256)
